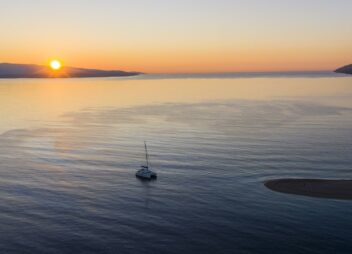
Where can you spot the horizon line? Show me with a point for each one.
(191, 72)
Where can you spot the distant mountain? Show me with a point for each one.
(8, 70)
(346, 69)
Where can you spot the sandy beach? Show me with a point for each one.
(333, 189)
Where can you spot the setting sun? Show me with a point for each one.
(55, 65)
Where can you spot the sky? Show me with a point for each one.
(179, 36)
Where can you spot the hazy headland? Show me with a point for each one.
(345, 69)
(9, 70)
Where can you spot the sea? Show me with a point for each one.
(69, 150)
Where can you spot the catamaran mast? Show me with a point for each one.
(146, 154)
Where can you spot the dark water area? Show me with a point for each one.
(67, 184)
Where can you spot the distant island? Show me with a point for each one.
(345, 69)
(8, 70)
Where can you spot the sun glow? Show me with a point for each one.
(55, 65)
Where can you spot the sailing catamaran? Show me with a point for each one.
(144, 172)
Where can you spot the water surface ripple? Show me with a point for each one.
(67, 185)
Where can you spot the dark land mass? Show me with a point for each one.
(8, 70)
(345, 69)
(333, 189)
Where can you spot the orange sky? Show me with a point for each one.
(164, 36)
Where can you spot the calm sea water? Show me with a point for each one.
(69, 150)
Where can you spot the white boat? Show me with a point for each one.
(144, 172)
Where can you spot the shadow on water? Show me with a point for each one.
(146, 185)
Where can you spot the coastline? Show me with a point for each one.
(318, 188)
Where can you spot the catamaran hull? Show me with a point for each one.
(146, 177)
